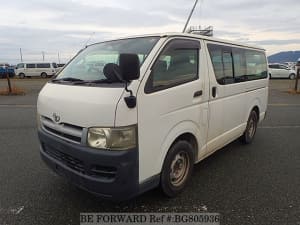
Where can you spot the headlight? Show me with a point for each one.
(122, 138)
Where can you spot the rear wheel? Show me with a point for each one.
(251, 128)
(177, 168)
(44, 75)
(292, 76)
(22, 75)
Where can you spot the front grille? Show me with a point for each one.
(66, 159)
(97, 171)
(64, 130)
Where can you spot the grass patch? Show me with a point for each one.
(14, 91)
(293, 92)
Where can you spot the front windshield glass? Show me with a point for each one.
(88, 65)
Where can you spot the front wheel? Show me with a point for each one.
(22, 75)
(251, 128)
(292, 76)
(44, 75)
(177, 168)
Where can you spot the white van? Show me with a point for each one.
(43, 69)
(161, 104)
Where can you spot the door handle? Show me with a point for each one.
(214, 92)
(198, 94)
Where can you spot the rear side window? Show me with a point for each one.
(234, 65)
(54, 65)
(30, 65)
(177, 64)
(256, 65)
(43, 65)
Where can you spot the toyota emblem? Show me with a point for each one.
(56, 117)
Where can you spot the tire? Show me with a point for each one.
(22, 75)
(44, 75)
(251, 128)
(292, 76)
(177, 168)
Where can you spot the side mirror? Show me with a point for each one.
(129, 66)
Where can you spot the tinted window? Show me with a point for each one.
(177, 64)
(43, 65)
(239, 65)
(227, 68)
(54, 65)
(236, 64)
(30, 65)
(256, 65)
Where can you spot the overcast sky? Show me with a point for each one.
(65, 26)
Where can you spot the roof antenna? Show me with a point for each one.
(189, 18)
(88, 40)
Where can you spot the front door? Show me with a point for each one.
(171, 101)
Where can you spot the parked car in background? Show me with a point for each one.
(277, 70)
(6, 68)
(44, 69)
(60, 66)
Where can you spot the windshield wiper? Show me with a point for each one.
(101, 81)
(70, 79)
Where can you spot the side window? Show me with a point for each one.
(283, 67)
(272, 66)
(222, 61)
(43, 65)
(177, 64)
(233, 65)
(20, 65)
(256, 65)
(239, 65)
(228, 68)
(30, 66)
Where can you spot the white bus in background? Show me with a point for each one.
(161, 104)
(43, 69)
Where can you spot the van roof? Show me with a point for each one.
(198, 36)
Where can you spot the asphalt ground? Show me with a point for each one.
(253, 184)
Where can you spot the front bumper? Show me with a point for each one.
(108, 174)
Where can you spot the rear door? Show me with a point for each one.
(226, 103)
(171, 101)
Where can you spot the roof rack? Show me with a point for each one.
(208, 31)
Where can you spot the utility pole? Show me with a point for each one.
(189, 18)
(43, 54)
(21, 54)
(58, 57)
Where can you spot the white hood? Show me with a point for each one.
(80, 105)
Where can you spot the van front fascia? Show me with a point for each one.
(108, 174)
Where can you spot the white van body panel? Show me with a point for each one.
(96, 107)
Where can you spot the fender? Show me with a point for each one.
(179, 129)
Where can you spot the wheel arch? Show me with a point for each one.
(187, 131)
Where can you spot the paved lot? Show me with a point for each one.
(255, 184)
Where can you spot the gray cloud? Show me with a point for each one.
(64, 25)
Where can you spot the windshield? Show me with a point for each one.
(88, 65)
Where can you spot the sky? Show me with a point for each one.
(60, 28)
